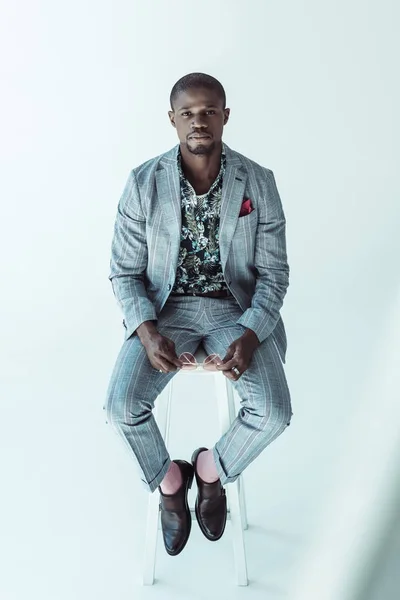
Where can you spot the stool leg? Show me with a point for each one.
(232, 414)
(232, 490)
(226, 412)
(162, 411)
(151, 538)
(242, 498)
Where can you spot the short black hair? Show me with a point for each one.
(197, 80)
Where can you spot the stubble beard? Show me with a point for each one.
(199, 149)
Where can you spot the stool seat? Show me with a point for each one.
(234, 491)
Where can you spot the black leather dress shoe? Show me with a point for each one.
(210, 507)
(176, 520)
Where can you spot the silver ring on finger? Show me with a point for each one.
(160, 371)
(235, 370)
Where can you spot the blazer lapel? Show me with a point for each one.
(233, 189)
(169, 197)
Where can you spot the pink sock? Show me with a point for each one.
(206, 468)
(172, 480)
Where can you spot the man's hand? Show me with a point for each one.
(160, 349)
(239, 355)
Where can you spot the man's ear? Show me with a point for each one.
(171, 115)
(227, 112)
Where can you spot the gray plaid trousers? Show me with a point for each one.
(265, 408)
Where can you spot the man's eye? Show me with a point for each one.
(185, 114)
(211, 112)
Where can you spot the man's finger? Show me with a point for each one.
(172, 358)
(170, 354)
(230, 375)
(228, 365)
(166, 365)
(228, 356)
(178, 363)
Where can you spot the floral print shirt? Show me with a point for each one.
(199, 264)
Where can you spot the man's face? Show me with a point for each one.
(199, 118)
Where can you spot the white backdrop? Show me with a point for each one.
(313, 92)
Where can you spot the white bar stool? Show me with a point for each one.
(234, 491)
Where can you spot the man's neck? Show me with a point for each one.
(201, 167)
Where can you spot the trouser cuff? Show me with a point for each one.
(155, 482)
(222, 474)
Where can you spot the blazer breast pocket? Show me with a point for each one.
(246, 225)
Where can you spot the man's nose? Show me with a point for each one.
(198, 122)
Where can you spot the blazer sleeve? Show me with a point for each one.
(129, 259)
(272, 269)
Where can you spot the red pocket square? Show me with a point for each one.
(246, 207)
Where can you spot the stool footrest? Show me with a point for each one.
(193, 515)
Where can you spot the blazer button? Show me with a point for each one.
(169, 286)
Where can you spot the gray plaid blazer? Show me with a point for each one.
(145, 245)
